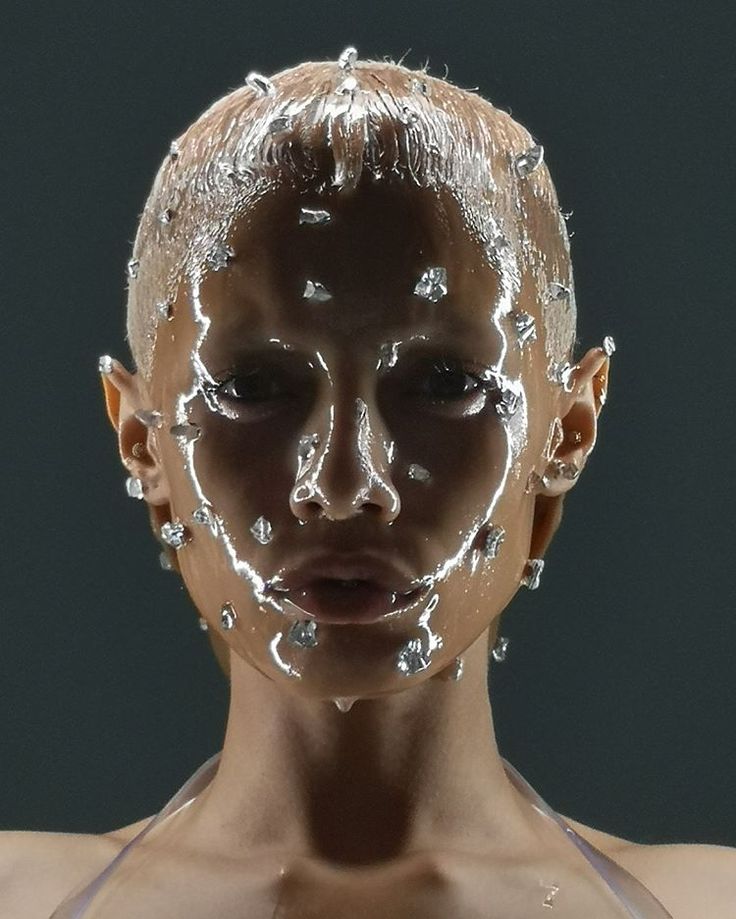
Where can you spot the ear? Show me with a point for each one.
(125, 394)
(575, 431)
(568, 451)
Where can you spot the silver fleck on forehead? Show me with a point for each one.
(133, 266)
(262, 85)
(526, 328)
(262, 531)
(167, 215)
(432, 285)
(219, 256)
(303, 634)
(174, 150)
(348, 59)
(314, 216)
(525, 163)
(316, 292)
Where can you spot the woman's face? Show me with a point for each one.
(389, 414)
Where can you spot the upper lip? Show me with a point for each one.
(346, 566)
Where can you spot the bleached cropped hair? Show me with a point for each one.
(325, 126)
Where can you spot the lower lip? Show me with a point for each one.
(327, 601)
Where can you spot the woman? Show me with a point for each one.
(354, 419)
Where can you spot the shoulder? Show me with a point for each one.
(38, 870)
(691, 880)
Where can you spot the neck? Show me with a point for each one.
(414, 771)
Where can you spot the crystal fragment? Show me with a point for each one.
(134, 487)
(456, 669)
(262, 531)
(262, 85)
(203, 515)
(418, 473)
(165, 562)
(151, 418)
(219, 256)
(557, 291)
(526, 328)
(167, 215)
(174, 150)
(174, 534)
(317, 292)
(560, 470)
(279, 124)
(303, 634)
(388, 354)
(228, 617)
(562, 374)
(508, 402)
(203, 624)
(410, 659)
(187, 431)
(499, 649)
(609, 345)
(347, 87)
(307, 445)
(432, 285)
(419, 86)
(105, 364)
(493, 541)
(164, 310)
(348, 58)
(532, 576)
(133, 266)
(525, 163)
(314, 216)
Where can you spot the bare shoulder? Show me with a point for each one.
(38, 870)
(691, 880)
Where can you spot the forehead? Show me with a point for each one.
(379, 240)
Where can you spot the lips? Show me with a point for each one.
(346, 587)
(343, 602)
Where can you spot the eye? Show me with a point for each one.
(451, 380)
(254, 386)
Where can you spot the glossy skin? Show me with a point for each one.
(415, 760)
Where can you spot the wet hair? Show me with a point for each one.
(328, 125)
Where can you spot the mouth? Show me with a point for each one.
(343, 602)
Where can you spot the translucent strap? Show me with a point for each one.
(76, 904)
(639, 901)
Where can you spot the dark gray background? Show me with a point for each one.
(618, 697)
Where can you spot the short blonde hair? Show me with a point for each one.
(324, 125)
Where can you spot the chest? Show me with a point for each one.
(454, 887)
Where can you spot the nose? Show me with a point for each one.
(349, 473)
